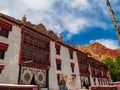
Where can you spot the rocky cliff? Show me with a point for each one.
(99, 51)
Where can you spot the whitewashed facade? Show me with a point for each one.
(11, 67)
(64, 62)
(65, 68)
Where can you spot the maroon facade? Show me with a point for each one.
(83, 64)
(36, 48)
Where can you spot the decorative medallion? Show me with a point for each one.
(40, 77)
(27, 76)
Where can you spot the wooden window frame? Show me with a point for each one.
(4, 29)
(71, 53)
(2, 54)
(3, 48)
(33, 49)
(58, 47)
(4, 33)
(72, 67)
(58, 64)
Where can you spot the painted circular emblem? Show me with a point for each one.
(27, 76)
(40, 77)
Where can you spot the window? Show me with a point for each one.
(34, 48)
(1, 68)
(4, 33)
(72, 67)
(4, 29)
(71, 56)
(57, 46)
(94, 81)
(73, 70)
(99, 81)
(2, 53)
(3, 48)
(71, 53)
(58, 64)
(58, 51)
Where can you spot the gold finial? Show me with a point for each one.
(24, 19)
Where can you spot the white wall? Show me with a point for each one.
(52, 71)
(65, 67)
(10, 72)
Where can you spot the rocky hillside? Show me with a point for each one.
(99, 51)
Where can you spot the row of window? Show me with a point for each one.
(35, 37)
(58, 53)
(35, 45)
(84, 70)
(82, 58)
(101, 82)
(86, 83)
(58, 67)
(38, 51)
(37, 57)
(3, 33)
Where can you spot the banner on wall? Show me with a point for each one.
(40, 77)
(33, 75)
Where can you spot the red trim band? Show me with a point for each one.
(3, 46)
(5, 26)
(1, 68)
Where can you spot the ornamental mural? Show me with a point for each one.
(33, 75)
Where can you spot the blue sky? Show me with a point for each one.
(84, 21)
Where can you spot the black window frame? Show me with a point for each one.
(4, 33)
(2, 54)
(57, 51)
(58, 66)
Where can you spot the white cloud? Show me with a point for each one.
(73, 24)
(79, 4)
(38, 11)
(113, 44)
(70, 15)
(104, 7)
(5, 11)
(38, 4)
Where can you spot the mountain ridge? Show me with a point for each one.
(99, 51)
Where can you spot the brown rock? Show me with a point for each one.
(99, 51)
